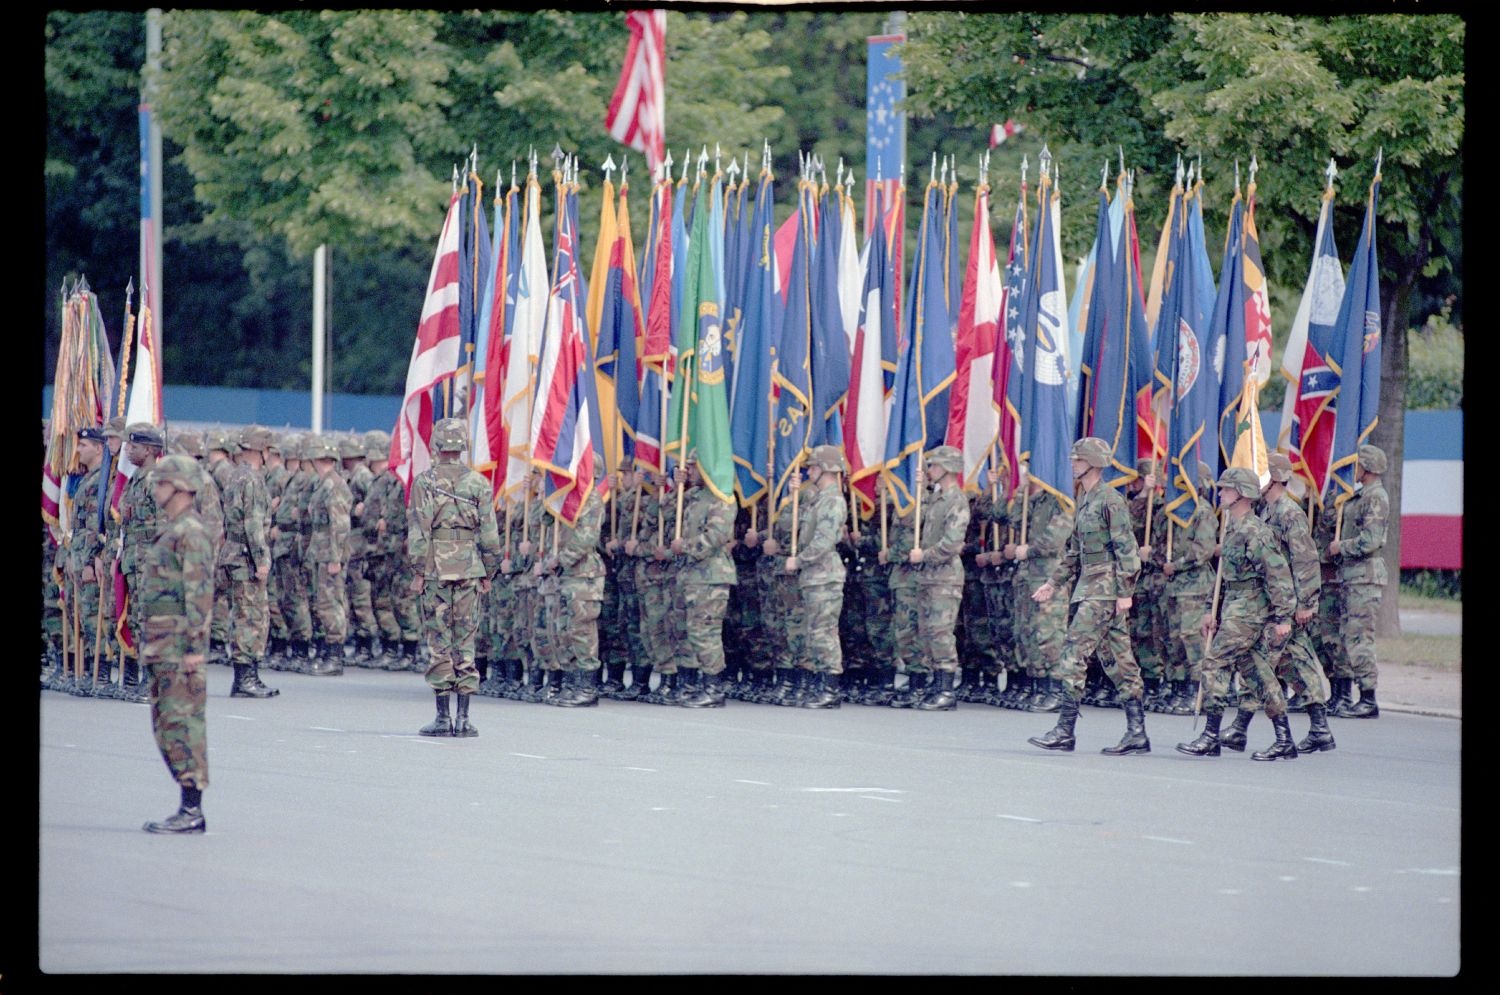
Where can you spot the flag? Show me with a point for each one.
(1305, 433)
(83, 386)
(736, 265)
(1227, 337)
(953, 272)
(603, 345)
(1009, 349)
(1046, 422)
(621, 325)
(759, 329)
(524, 352)
(851, 268)
(488, 346)
(1000, 133)
(973, 422)
(474, 264)
(702, 410)
(864, 421)
(1257, 300)
(637, 110)
(1356, 356)
(150, 286)
(792, 379)
(885, 127)
(1250, 442)
(656, 347)
(830, 344)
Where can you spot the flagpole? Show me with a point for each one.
(994, 496)
(884, 535)
(771, 453)
(1213, 608)
(635, 512)
(1025, 506)
(125, 351)
(796, 483)
(682, 440)
(509, 505)
(661, 457)
(921, 484)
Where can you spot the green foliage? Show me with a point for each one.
(1445, 584)
(1436, 376)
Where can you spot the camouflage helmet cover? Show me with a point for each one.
(1280, 466)
(320, 447)
(115, 429)
(827, 458)
(949, 458)
(1241, 480)
(377, 445)
(1205, 472)
(450, 435)
(1145, 466)
(350, 447)
(179, 470)
(1372, 458)
(1092, 450)
(256, 437)
(188, 443)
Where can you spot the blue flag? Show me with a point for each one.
(830, 346)
(474, 264)
(759, 326)
(1227, 340)
(793, 378)
(1046, 422)
(1357, 355)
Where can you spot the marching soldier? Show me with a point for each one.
(244, 563)
(326, 533)
(1366, 519)
(175, 599)
(1040, 627)
(1254, 619)
(940, 574)
(1103, 557)
(1189, 585)
(819, 571)
(454, 545)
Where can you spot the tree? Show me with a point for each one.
(1292, 90)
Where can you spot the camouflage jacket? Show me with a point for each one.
(175, 577)
(87, 541)
(901, 539)
(385, 501)
(1256, 577)
(820, 528)
(1193, 551)
(450, 527)
(1366, 518)
(578, 546)
(207, 507)
(221, 471)
(1102, 553)
(276, 478)
(287, 516)
(138, 521)
(945, 524)
(1048, 527)
(707, 527)
(1158, 538)
(326, 521)
(361, 522)
(1289, 525)
(247, 509)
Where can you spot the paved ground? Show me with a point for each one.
(640, 839)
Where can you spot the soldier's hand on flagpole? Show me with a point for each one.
(1043, 594)
(915, 556)
(359, 509)
(882, 558)
(613, 546)
(380, 526)
(792, 564)
(1303, 616)
(263, 571)
(1333, 548)
(1168, 569)
(772, 547)
(484, 585)
(678, 546)
(1008, 551)
(1023, 551)
(660, 552)
(1145, 553)
(506, 566)
(752, 538)
(1122, 605)
(525, 547)
(417, 584)
(631, 546)
(334, 566)
(1209, 626)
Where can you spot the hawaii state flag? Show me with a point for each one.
(973, 422)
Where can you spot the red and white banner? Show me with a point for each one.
(637, 111)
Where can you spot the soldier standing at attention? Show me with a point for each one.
(1362, 569)
(138, 528)
(704, 578)
(1103, 556)
(244, 563)
(819, 571)
(327, 535)
(940, 574)
(276, 475)
(1041, 627)
(176, 596)
(579, 572)
(364, 635)
(1254, 619)
(81, 555)
(289, 578)
(220, 446)
(454, 545)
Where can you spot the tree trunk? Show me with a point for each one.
(1389, 435)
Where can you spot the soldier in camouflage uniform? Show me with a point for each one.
(627, 574)
(1102, 560)
(276, 475)
(640, 547)
(174, 602)
(1366, 520)
(1328, 624)
(1253, 622)
(138, 528)
(531, 617)
(1148, 624)
(820, 573)
(395, 607)
(871, 592)
(454, 545)
(742, 628)
(657, 582)
(614, 641)
(1189, 574)
(81, 560)
(362, 644)
(579, 575)
(219, 446)
(781, 605)
(939, 572)
(997, 578)
(291, 584)
(244, 563)
(978, 658)
(901, 539)
(511, 651)
(326, 531)
(1041, 627)
(705, 574)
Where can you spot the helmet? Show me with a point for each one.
(1372, 458)
(1145, 466)
(115, 429)
(144, 434)
(1093, 450)
(1242, 480)
(1205, 472)
(949, 458)
(188, 443)
(255, 437)
(377, 444)
(179, 470)
(320, 447)
(290, 446)
(350, 448)
(1281, 467)
(220, 439)
(450, 435)
(829, 459)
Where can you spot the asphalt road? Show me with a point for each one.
(640, 839)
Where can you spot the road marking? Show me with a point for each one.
(1325, 860)
(1020, 884)
(741, 780)
(324, 729)
(242, 718)
(1287, 877)
(528, 756)
(1229, 891)
(1447, 872)
(648, 770)
(1017, 818)
(659, 808)
(841, 815)
(880, 798)
(856, 791)
(1168, 839)
(1362, 887)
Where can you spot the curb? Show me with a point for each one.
(1432, 711)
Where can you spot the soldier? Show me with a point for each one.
(1366, 518)
(742, 627)
(979, 661)
(940, 574)
(219, 446)
(820, 573)
(1148, 626)
(1103, 557)
(80, 557)
(363, 643)
(327, 544)
(1040, 627)
(276, 475)
(244, 563)
(704, 576)
(175, 599)
(1254, 619)
(1328, 625)
(290, 583)
(390, 573)
(614, 641)
(138, 527)
(1189, 585)
(872, 593)
(997, 579)
(454, 545)
(781, 606)
(579, 572)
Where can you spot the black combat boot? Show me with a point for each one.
(1234, 738)
(247, 683)
(706, 691)
(1060, 736)
(579, 690)
(965, 686)
(1342, 698)
(939, 696)
(187, 819)
(329, 662)
(375, 649)
(1011, 693)
(1296, 702)
(1183, 703)
(915, 690)
(410, 656)
(1047, 696)
(614, 680)
(439, 726)
(1207, 743)
(1365, 708)
(784, 686)
(1283, 748)
(665, 692)
(882, 688)
(1319, 736)
(352, 651)
(461, 725)
(1134, 740)
(1108, 696)
(826, 692)
(640, 677)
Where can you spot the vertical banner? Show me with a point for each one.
(885, 125)
(148, 354)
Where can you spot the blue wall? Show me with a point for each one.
(272, 408)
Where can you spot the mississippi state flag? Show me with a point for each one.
(434, 356)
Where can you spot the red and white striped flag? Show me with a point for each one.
(973, 422)
(1000, 132)
(637, 111)
(434, 356)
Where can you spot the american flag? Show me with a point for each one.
(637, 110)
(1000, 132)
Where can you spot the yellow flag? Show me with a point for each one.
(1250, 439)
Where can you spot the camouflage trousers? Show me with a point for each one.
(1148, 625)
(274, 614)
(505, 617)
(544, 605)
(701, 608)
(1041, 630)
(361, 608)
(1297, 667)
(1243, 642)
(872, 620)
(996, 589)
(451, 610)
(1328, 634)
(528, 604)
(249, 621)
(1361, 613)
(329, 602)
(288, 588)
(785, 617)
(52, 618)
(1096, 627)
(821, 650)
(655, 587)
(219, 629)
(614, 643)
(575, 623)
(396, 614)
(975, 633)
(905, 620)
(1184, 643)
(774, 648)
(937, 620)
(179, 698)
(742, 623)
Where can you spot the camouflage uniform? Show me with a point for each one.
(396, 607)
(1328, 624)
(276, 477)
(247, 509)
(1297, 663)
(139, 523)
(820, 578)
(1189, 594)
(85, 544)
(221, 470)
(940, 577)
(1362, 569)
(998, 580)
(580, 589)
(974, 634)
(872, 597)
(361, 526)
(1041, 629)
(290, 583)
(509, 649)
(742, 627)
(705, 575)
(1148, 623)
(327, 537)
(781, 602)
(650, 586)
(1257, 593)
